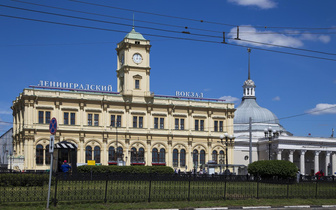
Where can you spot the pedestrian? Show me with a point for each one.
(65, 167)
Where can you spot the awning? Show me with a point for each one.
(65, 145)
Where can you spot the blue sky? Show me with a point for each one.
(288, 85)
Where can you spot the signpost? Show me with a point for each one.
(52, 130)
(91, 163)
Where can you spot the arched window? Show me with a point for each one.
(134, 155)
(214, 156)
(111, 154)
(88, 153)
(119, 153)
(39, 154)
(175, 158)
(141, 155)
(195, 158)
(221, 157)
(182, 158)
(202, 157)
(162, 156)
(97, 154)
(155, 156)
(47, 155)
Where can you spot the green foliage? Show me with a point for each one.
(24, 179)
(270, 168)
(126, 169)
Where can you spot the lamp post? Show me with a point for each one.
(228, 139)
(271, 135)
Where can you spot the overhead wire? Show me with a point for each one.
(163, 36)
(200, 20)
(165, 30)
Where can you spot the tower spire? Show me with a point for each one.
(133, 20)
(249, 52)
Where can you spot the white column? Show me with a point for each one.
(302, 162)
(327, 162)
(279, 154)
(291, 156)
(333, 160)
(316, 161)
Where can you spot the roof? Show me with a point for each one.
(134, 35)
(262, 116)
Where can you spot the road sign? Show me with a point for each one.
(53, 126)
(91, 162)
(51, 144)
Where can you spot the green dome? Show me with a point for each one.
(134, 35)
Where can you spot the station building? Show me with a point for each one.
(310, 154)
(132, 126)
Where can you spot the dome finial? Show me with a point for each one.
(249, 52)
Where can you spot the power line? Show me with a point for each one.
(201, 21)
(163, 36)
(293, 48)
(165, 30)
(102, 21)
(90, 13)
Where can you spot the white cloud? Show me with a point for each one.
(5, 112)
(252, 34)
(323, 109)
(263, 4)
(229, 99)
(206, 89)
(313, 37)
(276, 98)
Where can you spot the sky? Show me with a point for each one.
(292, 60)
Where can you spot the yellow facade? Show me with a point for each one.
(133, 118)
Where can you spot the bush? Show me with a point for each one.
(270, 168)
(126, 169)
(24, 179)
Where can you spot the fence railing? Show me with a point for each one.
(27, 187)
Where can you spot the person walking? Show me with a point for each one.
(65, 167)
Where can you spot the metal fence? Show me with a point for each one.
(27, 187)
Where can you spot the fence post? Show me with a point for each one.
(287, 188)
(150, 188)
(225, 187)
(105, 200)
(55, 197)
(257, 187)
(189, 187)
(316, 187)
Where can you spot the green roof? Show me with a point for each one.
(134, 35)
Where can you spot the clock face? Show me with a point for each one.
(137, 58)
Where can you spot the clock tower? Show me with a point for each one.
(133, 69)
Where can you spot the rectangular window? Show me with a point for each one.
(112, 120)
(216, 126)
(182, 124)
(73, 118)
(41, 114)
(47, 117)
(96, 120)
(118, 120)
(140, 122)
(66, 118)
(90, 119)
(176, 123)
(202, 125)
(137, 84)
(156, 123)
(221, 126)
(135, 121)
(196, 125)
(161, 123)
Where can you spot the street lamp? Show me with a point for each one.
(228, 140)
(271, 135)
